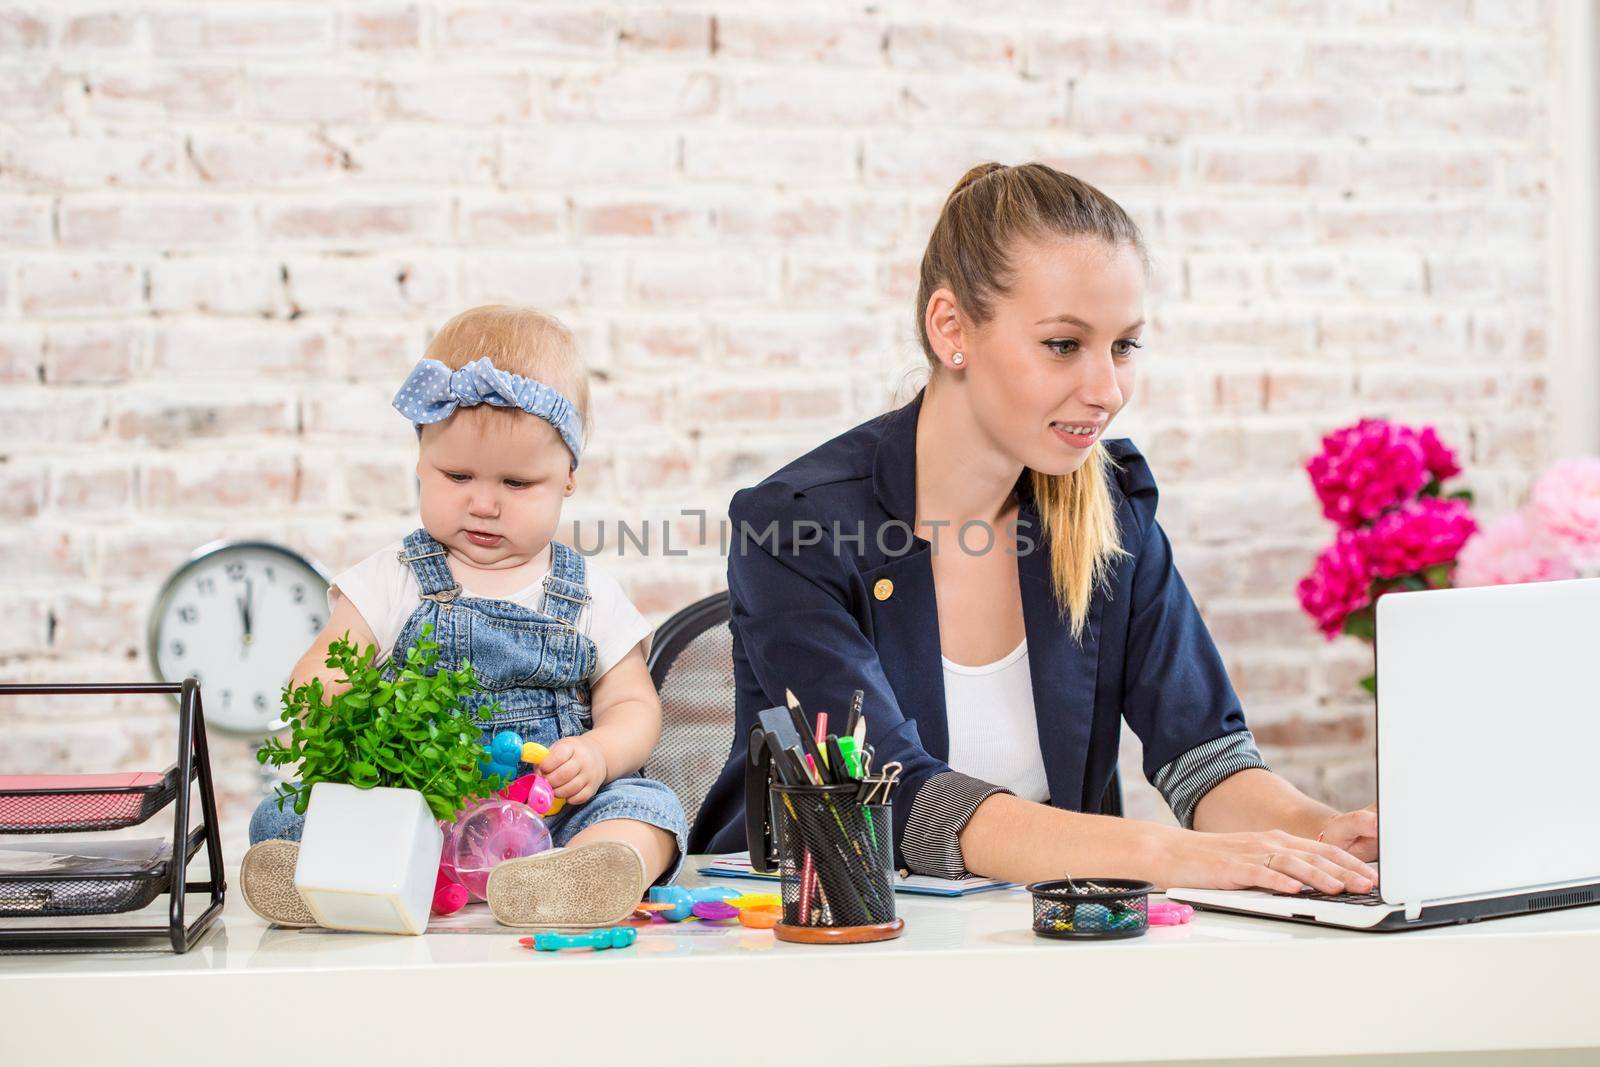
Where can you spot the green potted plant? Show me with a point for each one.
(380, 766)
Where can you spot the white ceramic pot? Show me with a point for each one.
(369, 859)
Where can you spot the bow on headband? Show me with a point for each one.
(432, 392)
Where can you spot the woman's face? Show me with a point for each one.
(492, 486)
(1058, 354)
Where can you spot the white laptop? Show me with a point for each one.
(1488, 741)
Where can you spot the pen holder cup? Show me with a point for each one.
(836, 865)
(1091, 909)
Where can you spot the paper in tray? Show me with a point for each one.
(52, 858)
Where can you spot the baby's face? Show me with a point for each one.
(492, 486)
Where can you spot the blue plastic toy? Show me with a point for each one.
(502, 755)
(679, 902)
(614, 937)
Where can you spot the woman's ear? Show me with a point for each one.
(942, 321)
(572, 482)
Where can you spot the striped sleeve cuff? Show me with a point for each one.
(933, 826)
(1195, 773)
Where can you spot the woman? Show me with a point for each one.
(1037, 604)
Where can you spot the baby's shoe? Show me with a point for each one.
(591, 885)
(267, 876)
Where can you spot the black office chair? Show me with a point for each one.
(691, 664)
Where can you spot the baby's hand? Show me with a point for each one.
(576, 769)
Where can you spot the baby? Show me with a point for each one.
(500, 402)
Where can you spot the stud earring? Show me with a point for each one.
(958, 359)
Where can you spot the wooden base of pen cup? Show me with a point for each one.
(839, 935)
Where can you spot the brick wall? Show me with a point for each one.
(226, 231)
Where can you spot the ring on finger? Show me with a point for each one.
(1270, 857)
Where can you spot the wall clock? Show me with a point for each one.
(238, 616)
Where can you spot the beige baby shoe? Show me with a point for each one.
(267, 874)
(588, 886)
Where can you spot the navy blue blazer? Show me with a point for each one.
(805, 617)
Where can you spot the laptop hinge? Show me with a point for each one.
(1413, 911)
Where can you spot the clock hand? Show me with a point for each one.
(244, 611)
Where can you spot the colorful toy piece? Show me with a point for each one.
(485, 836)
(761, 916)
(1169, 913)
(504, 753)
(449, 896)
(675, 903)
(613, 937)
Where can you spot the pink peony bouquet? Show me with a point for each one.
(1557, 535)
(1382, 483)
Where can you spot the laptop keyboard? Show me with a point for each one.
(1371, 899)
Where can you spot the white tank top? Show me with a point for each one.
(994, 735)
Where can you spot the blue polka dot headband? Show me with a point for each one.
(432, 392)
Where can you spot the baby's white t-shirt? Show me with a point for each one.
(385, 591)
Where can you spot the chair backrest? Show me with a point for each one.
(691, 663)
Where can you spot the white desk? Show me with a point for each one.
(966, 984)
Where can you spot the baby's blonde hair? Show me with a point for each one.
(521, 340)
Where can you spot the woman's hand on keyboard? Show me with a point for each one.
(1259, 859)
(1355, 831)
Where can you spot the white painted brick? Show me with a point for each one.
(374, 221)
(580, 157)
(25, 222)
(53, 160)
(523, 31)
(984, 100)
(339, 285)
(261, 157)
(807, 39)
(141, 91)
(632, 95)
(31, 91)
(215, 285)
(467, 96)
(284, 352)
(98, 353)
(148, 223)
(306, 97)
(528, 278)
(82, 287)
(769, 158)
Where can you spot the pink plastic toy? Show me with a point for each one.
(486, 835)
(504, 753)
(449, 896)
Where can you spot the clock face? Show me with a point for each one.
(237, 617)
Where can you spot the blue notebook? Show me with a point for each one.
(737, 865)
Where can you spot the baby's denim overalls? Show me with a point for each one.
(534, 664)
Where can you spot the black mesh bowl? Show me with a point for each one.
(1116, 908)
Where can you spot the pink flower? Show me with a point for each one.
(1508, 551)
(1566, 504)
(1437, 456)
(1422, 534)
(1366, 469)
(1340, 582)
